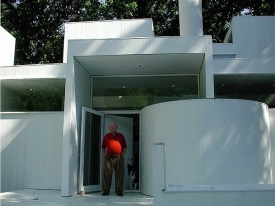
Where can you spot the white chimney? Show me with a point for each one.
(190, 17)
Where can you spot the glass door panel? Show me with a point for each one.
(90, 152)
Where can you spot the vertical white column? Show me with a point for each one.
(159, 173)
(190, 17)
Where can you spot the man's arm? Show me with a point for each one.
(124, 151)
(103, 151)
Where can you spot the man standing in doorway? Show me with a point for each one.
(114, 149)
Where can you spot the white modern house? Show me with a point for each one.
(199, 117)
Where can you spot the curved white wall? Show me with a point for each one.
(210, 141)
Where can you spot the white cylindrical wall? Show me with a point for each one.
(190, 17)
(208, 141)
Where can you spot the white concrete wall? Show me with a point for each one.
(31, 150)
(207, 195)
(224, 50)
(7, 48)
(225, 198)
(254, 36)
(253, 47)
(244, 66)
(78, 95)
(272, 136)
(210, 141)
(190, 17)
(126, 28)
(34, 71)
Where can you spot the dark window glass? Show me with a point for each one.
(137, 92)
(32, 95)
(250, 87)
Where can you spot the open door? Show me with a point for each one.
(93, 127)
(90, 167)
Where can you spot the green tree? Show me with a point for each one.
(32, 95)
(217, 14)
(38, 26)
(260, 7)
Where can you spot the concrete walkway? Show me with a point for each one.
(29, 197)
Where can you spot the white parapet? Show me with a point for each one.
(108, 29)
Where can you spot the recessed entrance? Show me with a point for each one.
(94, 126)
(118, 94)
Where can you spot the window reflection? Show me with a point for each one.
(24, 95)
(135, 93)
(250, 87)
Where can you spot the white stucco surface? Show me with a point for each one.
(7, 48)
(272, 136)
(190, 17)
(207, 195)
(34, 71)
(125, 28)
(210, 141)
(31, 148)
(78, 95)
(254, 36)
(244, 66)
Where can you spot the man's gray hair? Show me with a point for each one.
(113, 123)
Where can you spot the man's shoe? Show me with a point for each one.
(119, 194)
(105, 193)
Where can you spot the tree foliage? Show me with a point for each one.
(217, 14)
(38, 25)
(32, 95)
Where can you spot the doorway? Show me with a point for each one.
(94, 126)
(132, 166)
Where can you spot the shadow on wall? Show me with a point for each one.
(31, 150)
(236, 151)
(210, 141)
(226, 142)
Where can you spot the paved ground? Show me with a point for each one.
(31, 197)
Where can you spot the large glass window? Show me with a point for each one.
(136, 92)
(92, 150)
(250, 87)
(32, 95)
